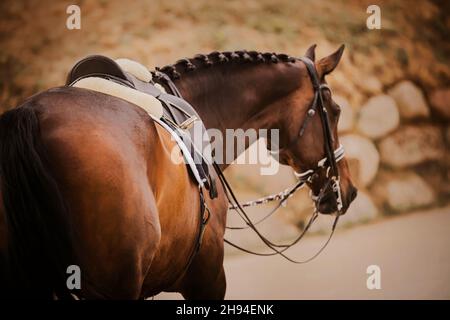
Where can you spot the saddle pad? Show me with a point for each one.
(151, 105)
(147, 102)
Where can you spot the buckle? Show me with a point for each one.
(337, 190)
(188, 123)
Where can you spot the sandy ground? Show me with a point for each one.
(411, 250)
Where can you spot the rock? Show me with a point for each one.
(363, 156)
(299, 208)
(370, 85)
(436, 177)
(362, 209)
(275, 227)
(357, 99)
(408, 192)
(347, 116)
(410, 100)
(440, 102)
(412, 145)
(378, 117)
(248, 174)
(340, 83)
(322, 225)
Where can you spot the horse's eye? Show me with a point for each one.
(327, 93)
(335, 109)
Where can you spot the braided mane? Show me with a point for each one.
(174, 71)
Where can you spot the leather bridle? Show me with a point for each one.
(328, 163)
(332, 157)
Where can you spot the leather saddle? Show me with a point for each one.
(179, 110)
(178, 114)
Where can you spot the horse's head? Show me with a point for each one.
(311, 144)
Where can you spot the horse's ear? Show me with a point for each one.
(326, 65)
(311, 52)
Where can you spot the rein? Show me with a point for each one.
(274, 247)
(329, 163)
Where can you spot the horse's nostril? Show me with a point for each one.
(327, 204)
(353, 193)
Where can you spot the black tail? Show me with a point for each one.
(39, 242)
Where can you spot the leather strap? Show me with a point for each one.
(318, 104)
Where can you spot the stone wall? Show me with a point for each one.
(397, 144)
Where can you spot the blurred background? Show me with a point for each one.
(393, 86)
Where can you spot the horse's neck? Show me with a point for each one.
(240, 96)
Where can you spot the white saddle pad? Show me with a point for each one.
(147, 102)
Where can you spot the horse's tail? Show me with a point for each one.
(39, 246)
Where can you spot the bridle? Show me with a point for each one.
(332, 157)
(328, 163)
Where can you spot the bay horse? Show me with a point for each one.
(87, 179)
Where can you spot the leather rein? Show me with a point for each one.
(328, 163)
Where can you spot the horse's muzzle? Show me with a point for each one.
(328, 203)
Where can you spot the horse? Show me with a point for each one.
(87, 178)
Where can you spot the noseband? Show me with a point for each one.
(329, 162)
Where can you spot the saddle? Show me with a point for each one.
(131, 81)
